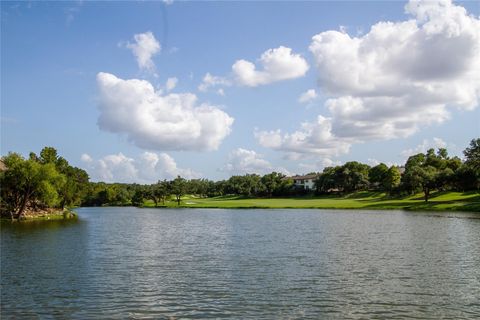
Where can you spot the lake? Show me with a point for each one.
(242, 264)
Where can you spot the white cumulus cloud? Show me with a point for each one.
(242, 161)
(148, 168)
(312, 138)
(276, 65)
(394, 80)
(308, 96)
(159, 122)
(144, 48)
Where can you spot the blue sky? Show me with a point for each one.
(89, 78)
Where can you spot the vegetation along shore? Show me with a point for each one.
(45, 185)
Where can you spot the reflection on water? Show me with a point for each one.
(248, 264)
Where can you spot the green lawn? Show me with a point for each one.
(441, 201)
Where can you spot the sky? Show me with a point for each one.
(140, 91)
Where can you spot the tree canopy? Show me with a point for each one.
(48, 180)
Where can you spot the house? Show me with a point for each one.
(306, 182)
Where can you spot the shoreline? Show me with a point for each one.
(49, 215)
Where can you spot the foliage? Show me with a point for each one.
(48, 180)
(178, 188)
(29, 183)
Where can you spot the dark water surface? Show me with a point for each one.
(242, 264)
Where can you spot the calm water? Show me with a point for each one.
(243, 264)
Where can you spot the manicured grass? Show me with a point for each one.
(440, 201)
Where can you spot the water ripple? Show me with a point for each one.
(253, 264)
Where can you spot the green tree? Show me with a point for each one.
(472, 154)
(76, 179)
(178, 188)
(326, 181)
(377, 175)
(138, 197)
(76, 182)
(391, 180)
(421, 177)
(353, 176)
(273, 183)
(27, 182)
(468, 176)
(158, 192)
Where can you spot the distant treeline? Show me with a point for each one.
(48, 180)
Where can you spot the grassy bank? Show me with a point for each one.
(440, 201)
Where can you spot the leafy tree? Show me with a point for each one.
(138, 197)
(27, 182)
(391, 180)
(158, 192)
(178, 187)
(48, 155)
(421, 174)
(326, 181)
(472, 154)
(377, 175)
(353, 176)
(274, 183)
(76, 181)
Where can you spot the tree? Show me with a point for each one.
(472, 154)
(391, 179)
(472, 164)
(75, 179)
(28, 182)
(353, 176)
(377, 175)
(138, 197)
(326, 181)
(423, 177)
(178, 187)
(158, 192)
(48, 155)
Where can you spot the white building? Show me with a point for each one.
(307, 182)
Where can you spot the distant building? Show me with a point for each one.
(306, 182)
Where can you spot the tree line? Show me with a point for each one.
(47, 180)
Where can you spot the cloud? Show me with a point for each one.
(394, 80)
(277, 64)
(159, 122)
(86, 158)
(242, 161)
(171, 84)
(426, 144)
(148, 168)
(144, 48)
(319, 165)
(307, 96)
(312, 138)
(210, 81)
